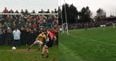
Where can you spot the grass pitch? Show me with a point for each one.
(95, 44)
(21, 54)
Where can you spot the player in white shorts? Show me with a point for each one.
(39, 40)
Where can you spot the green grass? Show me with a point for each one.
(21, 54)
(95, 44)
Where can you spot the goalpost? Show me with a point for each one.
(66, 19)
(64, 25)
(114, 25)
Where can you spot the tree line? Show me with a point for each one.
(72, 15)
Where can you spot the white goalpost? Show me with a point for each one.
(64, 26)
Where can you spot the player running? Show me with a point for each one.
(39, 40)
(45, 50)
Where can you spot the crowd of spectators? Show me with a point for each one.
(29, 25)
(92, 24)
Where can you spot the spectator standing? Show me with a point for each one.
(1, 36)
(9, 37)
(16, 37)
(23, 36)
(27, 37)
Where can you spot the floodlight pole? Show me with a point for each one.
(66, 18)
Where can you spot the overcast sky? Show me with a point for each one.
(29, 4)
(108, 5)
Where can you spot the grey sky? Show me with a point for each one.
(29, 4)
(108, 5)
